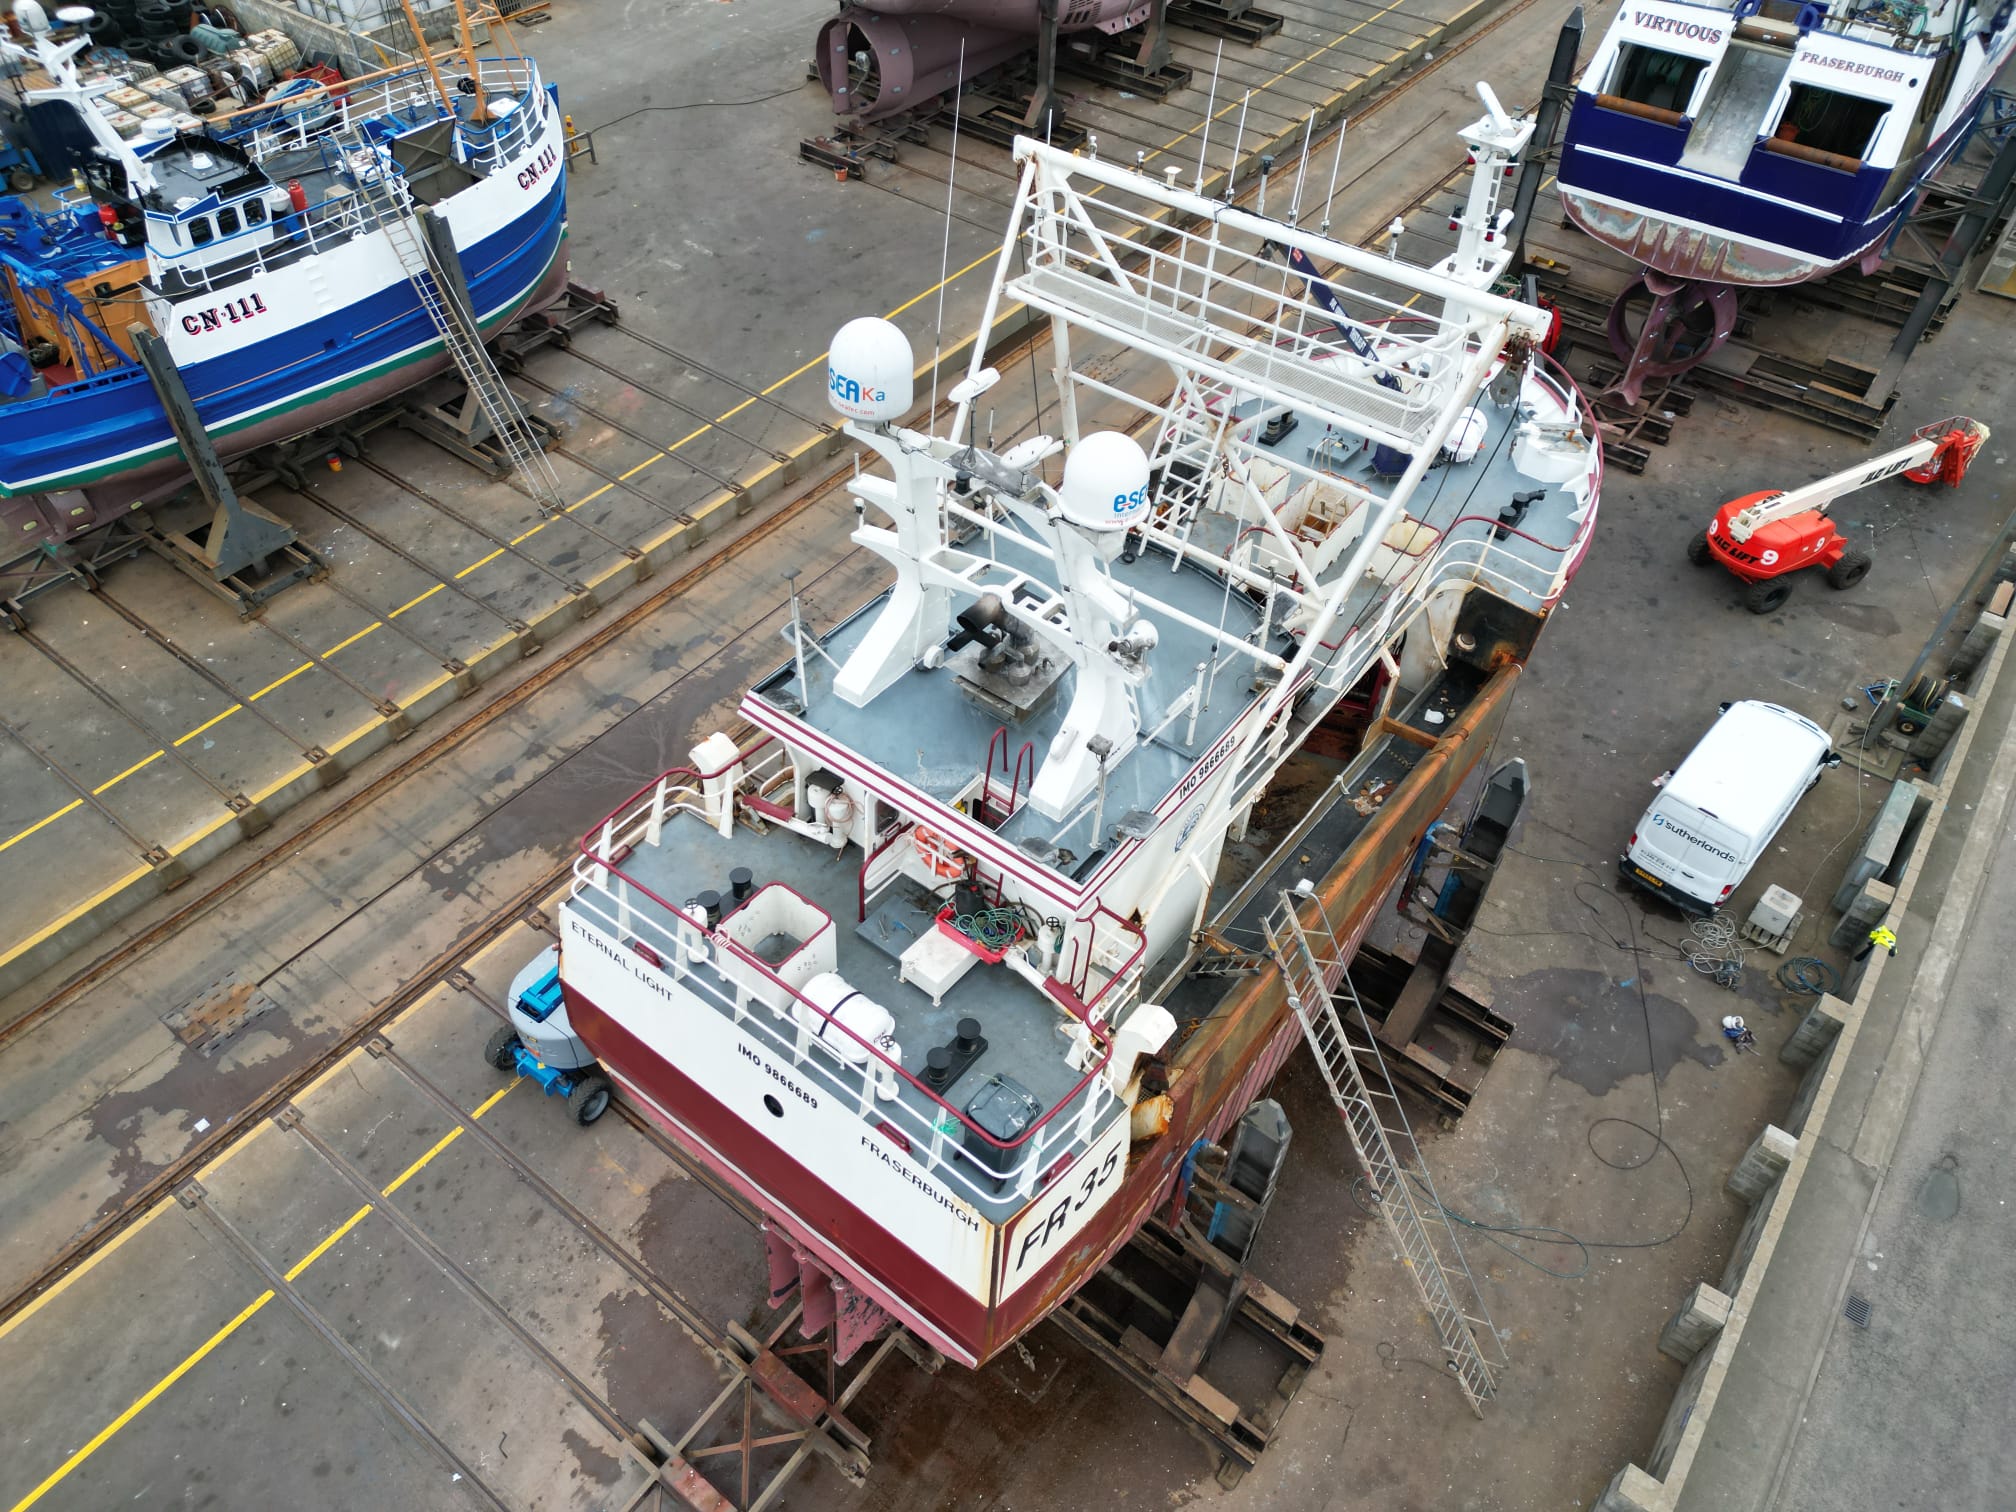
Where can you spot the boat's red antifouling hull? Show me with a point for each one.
(1219, 1070)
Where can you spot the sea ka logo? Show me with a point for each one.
(851, 392)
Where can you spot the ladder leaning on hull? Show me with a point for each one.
(1313, 970)
(385, 195)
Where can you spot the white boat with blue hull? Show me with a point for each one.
(275, 254)
(1764, 143)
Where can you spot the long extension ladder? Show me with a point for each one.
(1313, 969)
(383, 191)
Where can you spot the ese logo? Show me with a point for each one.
(1122, 502)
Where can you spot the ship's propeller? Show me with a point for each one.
(1683, 323)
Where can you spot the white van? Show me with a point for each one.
(1713, 818)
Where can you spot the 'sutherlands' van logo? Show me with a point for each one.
(1660, 821)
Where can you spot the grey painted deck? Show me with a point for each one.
(1024, 1029)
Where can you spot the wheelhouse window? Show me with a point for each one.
(200, 231)
(1822, 121)
(1662, 80)
(227, 221)
(255, 213)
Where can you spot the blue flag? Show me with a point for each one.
(1326, 298)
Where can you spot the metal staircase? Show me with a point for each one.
(382, 189)
(1189, 437)
(1423, 1237)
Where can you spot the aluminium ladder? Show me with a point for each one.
(1423, 1236)
(384, 193)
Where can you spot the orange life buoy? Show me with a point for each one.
(937, 853)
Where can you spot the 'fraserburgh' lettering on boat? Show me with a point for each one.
(231, 312)
(538, 168)
(1863, 70)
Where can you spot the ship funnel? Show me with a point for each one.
(1105, 488)
(869, 371)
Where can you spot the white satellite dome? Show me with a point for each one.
(1105, 483)
(34, 20)
(869, 371)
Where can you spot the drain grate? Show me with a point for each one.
(1857, 1310)
(216, 1014)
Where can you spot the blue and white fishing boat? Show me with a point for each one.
(278, 255)
(1767, 142)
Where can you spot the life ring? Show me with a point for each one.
(937, 853)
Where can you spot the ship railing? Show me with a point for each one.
(718, 969)
(884, 864)
(399, 103)
(320, 227)
(730, 979)
(1895, 31)
(1241, 321)
(1469, 555)
(293, 236)
(1112, 954)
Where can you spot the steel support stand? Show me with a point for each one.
(1979, 214)
(1559, 90)
(1043, 111)
(246, 554)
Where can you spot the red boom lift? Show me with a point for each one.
(1766, 537)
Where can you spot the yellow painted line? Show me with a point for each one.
(413, 603)
(98, 1439)
(144, 761)
(482, 561)
(89, 1263)
(214, 719)
(251, 1310)
(329, 1239)
(71, 915)
(47, 819)
(282, 681)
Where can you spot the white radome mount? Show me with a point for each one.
(1081, 527)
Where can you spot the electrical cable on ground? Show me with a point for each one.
(1507, 1235)
(1809, 975)
(698, 105)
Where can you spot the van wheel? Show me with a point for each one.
(1769, 596)
(1850, 570)
(1698, 552)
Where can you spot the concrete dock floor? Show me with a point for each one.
(159, 1376)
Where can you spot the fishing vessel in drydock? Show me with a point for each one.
(916, 968)
(279, 255)
(1760, 143)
